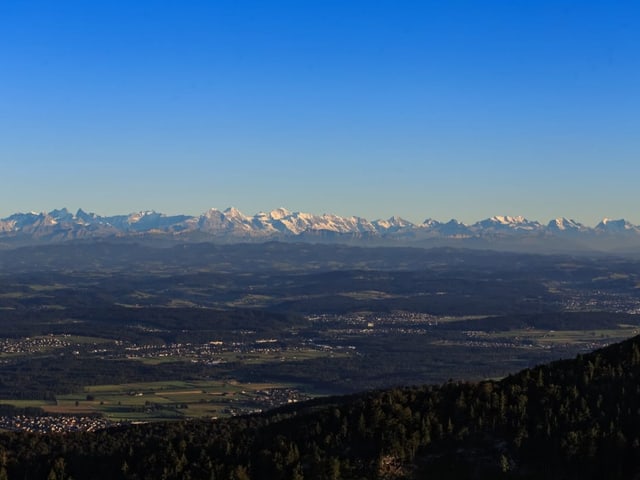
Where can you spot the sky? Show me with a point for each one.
(422, 109)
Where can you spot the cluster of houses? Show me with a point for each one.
(54, 423)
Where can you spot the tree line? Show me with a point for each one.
(570, 419)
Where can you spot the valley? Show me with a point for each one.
(205, 330)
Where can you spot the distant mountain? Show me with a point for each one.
(502, 223)
(231, 225)
(616, 226)
(564, 225)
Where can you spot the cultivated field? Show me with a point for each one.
(149, 401)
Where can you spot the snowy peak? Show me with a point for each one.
(452, 228)
(136, 217)
(615, 226)
(430, 223)
(563, 224)
(343, 225)
(231, 220)
(296, 223)
(233, 212)
(21, 220)
(279, 213)
(62, 215)
(281, 224)
(85, 218)
(506, 222)
(393, 224)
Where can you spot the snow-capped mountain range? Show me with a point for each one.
(231, 225)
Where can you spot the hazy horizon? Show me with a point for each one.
(542, 221)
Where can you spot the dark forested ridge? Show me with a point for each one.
(569, 419)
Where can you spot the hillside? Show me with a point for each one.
(569, 419)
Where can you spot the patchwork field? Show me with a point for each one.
(149, 401)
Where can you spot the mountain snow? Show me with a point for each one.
(281, 223)
(564, 225)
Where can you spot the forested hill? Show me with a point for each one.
(569, 419)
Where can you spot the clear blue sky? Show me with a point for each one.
(439, 109)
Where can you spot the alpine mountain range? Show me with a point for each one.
(232, 226)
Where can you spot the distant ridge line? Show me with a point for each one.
(231, 225)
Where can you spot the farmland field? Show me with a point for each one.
(145, 401)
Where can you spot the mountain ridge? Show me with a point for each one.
(231, 225)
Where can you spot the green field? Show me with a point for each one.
(163, 400)
(26, 403)
(559, 337)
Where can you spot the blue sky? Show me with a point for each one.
(373, 108)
